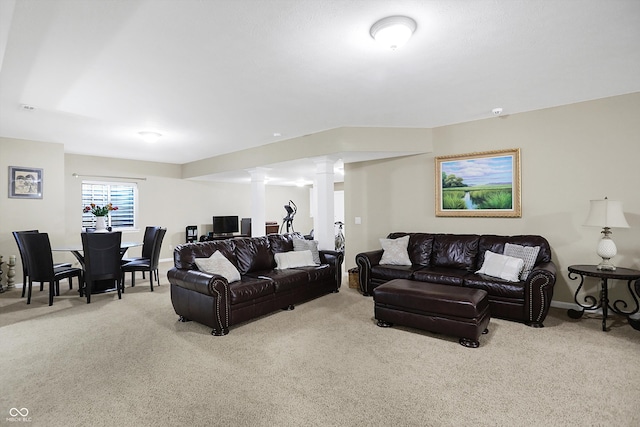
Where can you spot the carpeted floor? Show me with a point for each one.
(326, 363)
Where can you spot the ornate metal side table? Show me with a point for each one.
(618, 306)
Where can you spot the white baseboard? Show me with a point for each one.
(569, 305)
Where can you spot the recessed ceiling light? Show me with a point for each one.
(150, 137)
(393, 31)
(27, 107)
(276, 134)
(497, 111)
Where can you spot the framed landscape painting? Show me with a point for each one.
(25, 183)
(479, 184)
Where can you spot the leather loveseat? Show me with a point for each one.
(210, 299)
(454, 259)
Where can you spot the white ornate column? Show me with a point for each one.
(323, 227)
(258, 211)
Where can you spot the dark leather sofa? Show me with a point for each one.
(209, 298)
(453, 259)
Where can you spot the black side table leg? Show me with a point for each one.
(604, 302)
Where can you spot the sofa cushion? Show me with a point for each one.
(395, 251)
(292, 259)
(388, 272)
(218, 264)
(496, 287)
(420, 247)
(501, 266)
(455, 251)
(319, 273)
(282, 242)
(253, 254)
(249, 288)
(184, 256)
(528, 255)
(441, 275)
(283, 280)
(493, 243)
(307, 245)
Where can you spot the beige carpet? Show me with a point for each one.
(326, 363)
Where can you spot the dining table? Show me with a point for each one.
(76, 249)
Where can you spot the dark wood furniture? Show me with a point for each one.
(446, 309)
(101, 260)
(191, 232)
(100, 285)
(593, 303)
(17, 235)
(150, 265)
(41, 268)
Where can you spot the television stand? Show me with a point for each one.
(222, 237)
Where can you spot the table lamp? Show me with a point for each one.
(607, 214)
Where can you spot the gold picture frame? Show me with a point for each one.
(484, 184)
(25, 183)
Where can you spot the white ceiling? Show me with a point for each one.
(218, 76)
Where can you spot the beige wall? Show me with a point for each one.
(569, 154)
(164, 198)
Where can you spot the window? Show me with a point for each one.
(124, 195)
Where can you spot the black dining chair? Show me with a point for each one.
(41, 268)
(150, 265)
(147, 246)
(17, 235)
(101, 260)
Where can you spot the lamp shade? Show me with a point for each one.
(606, 213)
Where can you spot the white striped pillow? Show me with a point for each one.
(528, 254)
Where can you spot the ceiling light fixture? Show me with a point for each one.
(393, 31)
(150, 137)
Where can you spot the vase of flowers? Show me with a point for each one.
(101, 213)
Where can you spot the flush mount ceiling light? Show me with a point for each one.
(150, 137)
(393, 31)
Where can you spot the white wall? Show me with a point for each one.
(165, 198)
(570, 154)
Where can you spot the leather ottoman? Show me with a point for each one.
(451, 310)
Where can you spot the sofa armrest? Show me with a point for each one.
(198, 281)
(364, 261)
(539, 292)
(334, 258)
(202, 297)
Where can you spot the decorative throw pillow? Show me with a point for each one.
(293, 259)
(218, 264)
(395, 251)
(307, 245)
(528, 254)
(501, 266)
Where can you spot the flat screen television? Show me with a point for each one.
(225, 224)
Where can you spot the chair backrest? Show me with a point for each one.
(17, 235)
(101, 255)
(39, 257)
(148, 241)
(155, 256)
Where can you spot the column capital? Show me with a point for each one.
(324, 164)
(258, 174)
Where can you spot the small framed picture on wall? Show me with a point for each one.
(25, 183)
